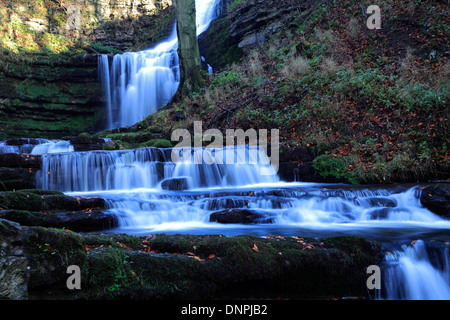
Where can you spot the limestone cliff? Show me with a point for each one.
(48, 59)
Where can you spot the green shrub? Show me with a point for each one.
(223, 79)
(327, 165)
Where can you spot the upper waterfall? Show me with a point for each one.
(136, 84)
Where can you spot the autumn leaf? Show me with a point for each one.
(255, 247)
(198, 258)
(211, 256)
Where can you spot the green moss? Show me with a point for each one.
(157, 143)
(114, 240)
(130, 137)
(20, 200)
(50, 252)
(42, 192)
(109, 272)
(24, 218)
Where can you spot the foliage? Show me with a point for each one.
(234, 4)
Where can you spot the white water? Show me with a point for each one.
(130, 181)
(138, 83)
(411, 274)
(37, 146)
(147, 168)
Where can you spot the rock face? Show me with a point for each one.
(49, 99)
(18, 171)
(436, 198)
(131, 22)
(51, 90)
(13, 263)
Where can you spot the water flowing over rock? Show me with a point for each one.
(417, 271)
(136, 84)
(144, 168)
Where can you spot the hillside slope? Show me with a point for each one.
(371, 104)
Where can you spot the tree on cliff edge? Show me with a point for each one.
(188, 51)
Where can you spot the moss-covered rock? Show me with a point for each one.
(50, 252)
(197, 267)
(184, 266)
(157, 143)
(79, 221)
(217, 45)
(37, 200)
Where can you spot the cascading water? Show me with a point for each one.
(417, 272)
(36, 146)
(138, 83)
(131, 183)
(147, 168)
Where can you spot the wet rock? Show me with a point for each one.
(298, 154)
(243, 216)
(37, 200)
(79, 221)
(175, 184)
(17, 178)
(18, 171)
(85, 142)
(14, 160)
(379, 214)
(287, 171)
(376, 202)
(436, 198)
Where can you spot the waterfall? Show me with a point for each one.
(417, 272)
(138, 83)
(105, 80)
(147, 168)
(35, 146)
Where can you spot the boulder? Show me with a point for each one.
(436, 198)
(243, 216)
(175, 184)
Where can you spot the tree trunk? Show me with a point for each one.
(188, 52)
